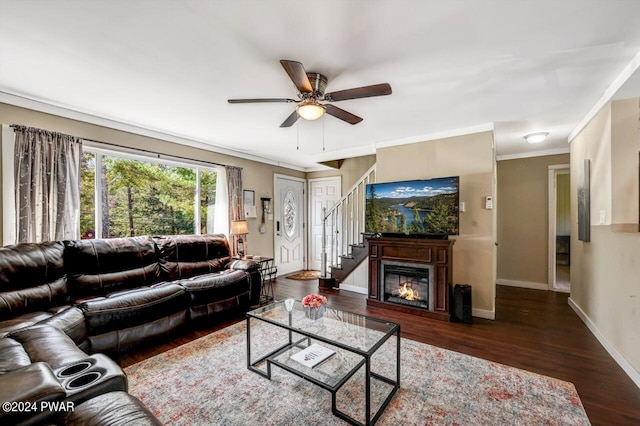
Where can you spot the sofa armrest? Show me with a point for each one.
(253, 275)
(131, 308)
(26, 388)
(72, 322)
(45, 343)
(246, 265)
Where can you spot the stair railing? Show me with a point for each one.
(343, 224)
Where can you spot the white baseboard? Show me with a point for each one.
(617, 356)
(353, 288)
(483, 313)
(523, 284)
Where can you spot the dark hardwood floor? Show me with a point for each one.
(533, 330)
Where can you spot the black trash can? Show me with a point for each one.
(461, 302)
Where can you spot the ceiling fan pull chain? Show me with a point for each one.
(323, 119)
(297, 136)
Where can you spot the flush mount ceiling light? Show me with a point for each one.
(536, 137)
(310, 110)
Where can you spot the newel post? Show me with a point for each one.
(323, 253)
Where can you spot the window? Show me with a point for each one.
(124, 195)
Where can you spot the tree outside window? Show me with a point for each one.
(143, 197)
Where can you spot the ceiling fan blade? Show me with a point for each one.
(359, 92)
(252, 101)
(342, 114)
(290, 119)
(298, 75)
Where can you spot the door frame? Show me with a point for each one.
(305, 218)
(553, 194)
(310, 197)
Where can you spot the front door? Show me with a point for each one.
(289, 218)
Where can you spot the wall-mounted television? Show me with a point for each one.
(413, 207)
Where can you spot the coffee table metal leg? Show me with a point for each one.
(367, 395)
(368, 375)
(248, 343)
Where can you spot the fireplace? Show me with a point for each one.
(424, 265)
(407, 283)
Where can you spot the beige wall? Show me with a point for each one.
(472, 157)
(255, 176)
(625, 145)
(523, 219)
(351, 170)
(604, 272)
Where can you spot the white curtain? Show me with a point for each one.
(47, 179)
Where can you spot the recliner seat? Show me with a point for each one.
(62, 300)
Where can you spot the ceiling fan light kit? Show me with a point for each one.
(310, 110)
(311, 89)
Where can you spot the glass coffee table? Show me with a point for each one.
(354, 341)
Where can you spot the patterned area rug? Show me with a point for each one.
(207, 382)
(304, 275)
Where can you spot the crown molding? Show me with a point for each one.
(531, 154)
(49, 108)
(608, 94)
(486, 127)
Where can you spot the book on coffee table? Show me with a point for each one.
(312, 355)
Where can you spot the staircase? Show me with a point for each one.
(343, 247)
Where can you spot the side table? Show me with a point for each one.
(268, 271)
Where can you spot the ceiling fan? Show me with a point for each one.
(311, 90)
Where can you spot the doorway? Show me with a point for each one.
(323, 193)
(559, 228)
(289, 215)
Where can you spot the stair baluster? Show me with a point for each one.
(343, 225)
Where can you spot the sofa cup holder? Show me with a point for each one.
(84, 380)
(74, 369)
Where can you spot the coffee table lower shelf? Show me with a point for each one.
(281, 355)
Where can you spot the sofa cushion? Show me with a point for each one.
(98, 267)
(110, 409)
(185, 256)
(32, 278)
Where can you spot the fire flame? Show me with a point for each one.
(408, 293)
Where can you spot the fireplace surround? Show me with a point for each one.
(405, 266)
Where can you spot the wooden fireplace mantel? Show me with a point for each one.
(438, 253)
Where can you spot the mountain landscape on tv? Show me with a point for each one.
(413, 207)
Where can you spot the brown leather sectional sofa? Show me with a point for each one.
(63, 304)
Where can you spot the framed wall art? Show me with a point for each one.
(584, 201)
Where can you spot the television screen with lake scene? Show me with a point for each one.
(413, 207)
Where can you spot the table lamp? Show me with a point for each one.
(240, 228)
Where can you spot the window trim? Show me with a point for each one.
(99, 150)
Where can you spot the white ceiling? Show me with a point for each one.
(455, 66)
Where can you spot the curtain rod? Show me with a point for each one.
(158, 154)
(134, 149)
